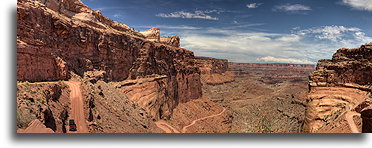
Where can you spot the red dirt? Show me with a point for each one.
(184, 129)
(166, 127)
(349, 116)
(169, 129)
(36, 127)
(77, 107)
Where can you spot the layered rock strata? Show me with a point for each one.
(338, 86)
(172, 41)
(152, 34)
(214, 71)
(58, 38)
(272, 73)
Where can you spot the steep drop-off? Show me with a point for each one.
(339, 86)
(56, 39)
(214, 71)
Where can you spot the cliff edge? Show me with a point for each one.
(338, 86)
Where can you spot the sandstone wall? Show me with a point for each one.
(214, 71)
(173, 41)
(211, 65)
(58, 38)
(152, 34)
(339, 85)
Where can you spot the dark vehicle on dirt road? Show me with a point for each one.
(72, 125)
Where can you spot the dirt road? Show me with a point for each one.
(36, 127)
(349, 116)
(77, 107)
(166, 127)
(169, 129)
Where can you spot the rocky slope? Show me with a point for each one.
(214, 71)
(260, 103)
(338, 86)
(57, 38)
(47, 103)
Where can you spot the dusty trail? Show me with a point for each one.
(36, 127)
(349, 118)
(77, 107)
(166, 127)
(169, 129)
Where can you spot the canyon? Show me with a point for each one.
(73, 63)
(340, 86)
(127, 77)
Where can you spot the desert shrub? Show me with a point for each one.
(24, 117)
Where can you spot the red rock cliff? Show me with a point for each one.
(339, 85)
(56, 38)
(214, 71)
(212, 65)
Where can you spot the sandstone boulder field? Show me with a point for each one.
(73, 63)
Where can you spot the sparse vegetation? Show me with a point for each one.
(24, 117)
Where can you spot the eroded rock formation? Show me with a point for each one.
(272, 73)
(58, 38)
(214, 71)
(339, 85)
(152, 34)
(172, 40)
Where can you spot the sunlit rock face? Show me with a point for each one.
(339, 85)
(57, 38)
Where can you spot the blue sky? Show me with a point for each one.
(251, 31)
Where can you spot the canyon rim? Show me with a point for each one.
(80, 69)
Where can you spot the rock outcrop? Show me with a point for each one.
(214, 71)
(272, 73)
(172, 40)
(339, 85)
(152, 34)
(58, 38)
(47, 103)
(212, 65)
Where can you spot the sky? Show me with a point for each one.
(251, 31)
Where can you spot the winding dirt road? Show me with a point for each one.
(349, 116)
(77, 107)
(169, 129)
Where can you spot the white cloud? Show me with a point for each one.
(359, 4)
(117, 15)
(289, 38)
(292, 8)
(305, 46)
(271, 59)
(361, 36)
(333, 33)
(253, 5)
(190, 15)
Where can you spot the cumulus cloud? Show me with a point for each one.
(292, 8)
(333, 33)
(270, 59)
(245, 46)
(253, 5)
(359, 4)
(301, 46)
(190, 15)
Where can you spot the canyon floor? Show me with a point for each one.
(261, 100)
(73, 63)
